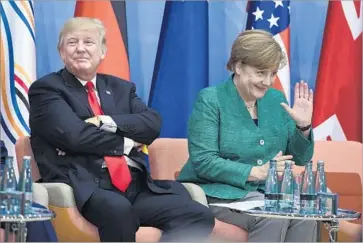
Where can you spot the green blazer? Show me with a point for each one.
(225, 143)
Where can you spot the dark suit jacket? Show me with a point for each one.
(58, 108)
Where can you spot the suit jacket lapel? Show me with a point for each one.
(239, 108)
(76, 88)
(237, 104)
(105, 94)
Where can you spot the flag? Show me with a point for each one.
(113, 16)
(181, 66)
(17, 69)
(274, 17)
(338, 94)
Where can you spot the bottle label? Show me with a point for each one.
(307, 197)
(273, 196)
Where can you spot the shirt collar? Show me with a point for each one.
(85, 82)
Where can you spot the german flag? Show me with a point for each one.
(113, 16)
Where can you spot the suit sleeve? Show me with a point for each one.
(53, 119)
(204, 145)
(298, 145)
(142, 124)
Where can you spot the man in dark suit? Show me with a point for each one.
(87, 130)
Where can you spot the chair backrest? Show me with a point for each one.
(167, 156)
(343, 166)
(23, 148)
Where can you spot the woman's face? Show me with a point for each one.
(254, 82)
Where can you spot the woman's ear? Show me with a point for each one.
(238, 69)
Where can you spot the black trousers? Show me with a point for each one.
(119, 215)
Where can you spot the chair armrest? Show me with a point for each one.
(197, 193)
(40, 194)
(60, 195)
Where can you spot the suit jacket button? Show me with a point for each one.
(115, 151)
(96, 180)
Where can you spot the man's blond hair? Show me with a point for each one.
(83, 23)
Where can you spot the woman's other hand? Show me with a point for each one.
(261, 172)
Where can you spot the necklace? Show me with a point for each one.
(250, 106)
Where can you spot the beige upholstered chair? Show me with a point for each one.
(343, 165)
(69, 224)
(167, 156)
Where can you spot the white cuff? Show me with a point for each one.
(107, 124)
(128, 145)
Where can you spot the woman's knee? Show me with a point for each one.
(270, 223)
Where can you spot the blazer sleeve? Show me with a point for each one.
(300, 147)
(204, 145)
(142, 124)
(53, 119)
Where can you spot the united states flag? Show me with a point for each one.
(274, 16)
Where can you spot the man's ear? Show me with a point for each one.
(103, 52)
(61, 54)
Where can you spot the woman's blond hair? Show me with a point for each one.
(258, 49)
(83, 23)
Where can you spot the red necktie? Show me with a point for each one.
(117, 166)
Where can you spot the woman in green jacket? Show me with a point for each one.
(241, 124)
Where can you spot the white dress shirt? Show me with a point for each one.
(109, 125)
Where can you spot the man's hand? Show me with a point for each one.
(94, 120)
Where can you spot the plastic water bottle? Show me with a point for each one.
(2, 174)
(272, 194)
(320, 186)
(9, 200)
(308, 194)
(2, 181)
(26, 183)
(286, 201)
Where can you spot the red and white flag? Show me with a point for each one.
(338, 94)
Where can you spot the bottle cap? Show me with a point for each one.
(288, 162)
(320, 162)
(27, 157)
(273, 161)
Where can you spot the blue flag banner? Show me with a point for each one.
(181, 66)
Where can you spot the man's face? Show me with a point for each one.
(82, 52)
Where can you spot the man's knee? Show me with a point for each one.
(119, 212)
(194, 222)
(202, 216)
